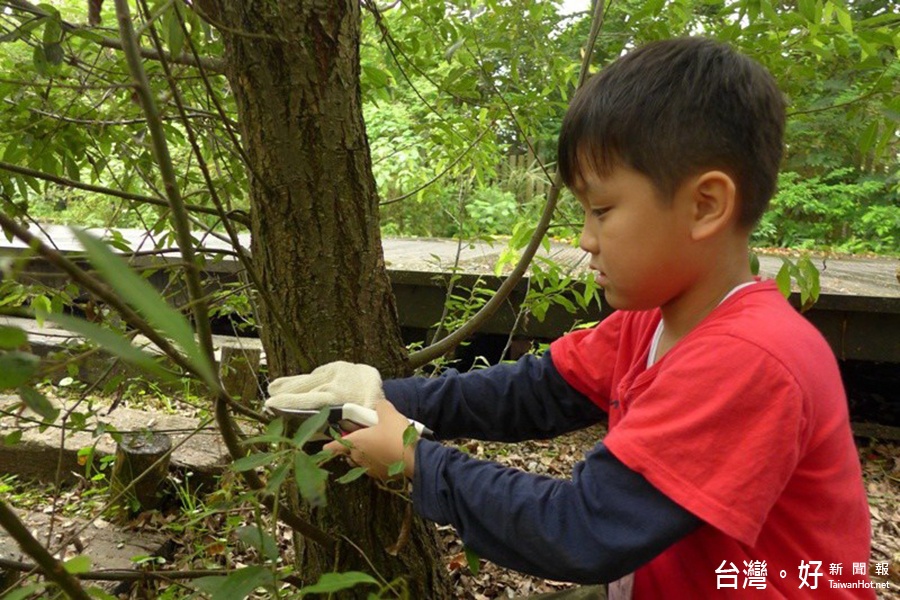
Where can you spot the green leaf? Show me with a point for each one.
(807, 9)
(39, 59)
(783, 279)
(236, 586)
(844, 18)
(473, 560)
(41, 306)
(253, 461)
(53, 33)
(754, 264)
(176, 35)
(12, 337)
(335, 582)
(138, 293)
(277, 477)
(375, 76)
(310, 427)
(78, 564)
(27, 591)
(255, 537)
(867, 139)
(110, 341)
(410, 436)
(310, 479)
(16, 368)
(99, 593)
(12, 438)
(87, 34)
(37, 402)
(352, 475)
(396, 468)
(274, 434)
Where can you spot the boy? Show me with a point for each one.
(729, 463)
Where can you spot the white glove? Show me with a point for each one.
(331, 384)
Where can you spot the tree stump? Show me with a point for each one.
(238, 369)
(135, 454)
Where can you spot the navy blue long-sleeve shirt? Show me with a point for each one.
(602, 524)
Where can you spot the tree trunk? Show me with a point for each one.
(294, 70)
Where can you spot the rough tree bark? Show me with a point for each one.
(294, 69)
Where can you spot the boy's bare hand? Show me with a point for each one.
(381, 445)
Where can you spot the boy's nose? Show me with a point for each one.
(588, 241)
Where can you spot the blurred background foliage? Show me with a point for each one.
(463, 101)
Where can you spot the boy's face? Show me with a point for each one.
(638, 243)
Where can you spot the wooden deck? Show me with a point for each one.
(858, 311)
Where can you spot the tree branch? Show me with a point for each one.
(132, 574)
(236, 216)
(98, 289)
(52, 568)
(428, 354)
(212, 64)
(442, 173)
(182, 229)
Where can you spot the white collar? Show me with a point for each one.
(654, 343)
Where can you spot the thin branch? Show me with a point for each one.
(236, 216)
(81, 87)
(850, 102)
(211, 64)
(102, 123)
(442, 173)
(132, 575)
(426, 355)
(52, 568)
(167, 173)
(98, 289)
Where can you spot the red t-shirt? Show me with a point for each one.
(743, 423)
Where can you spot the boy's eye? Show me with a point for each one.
(599, 212)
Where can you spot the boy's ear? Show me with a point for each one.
(714, 203)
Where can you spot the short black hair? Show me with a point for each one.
(675, 108)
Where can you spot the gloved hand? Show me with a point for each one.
(331, 384)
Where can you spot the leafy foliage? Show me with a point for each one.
(451, 91)
(840, 209)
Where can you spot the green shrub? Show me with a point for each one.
(841, 210)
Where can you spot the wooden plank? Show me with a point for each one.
(876, 431)
(856, 311)
(855, 276)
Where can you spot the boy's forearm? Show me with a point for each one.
(604, 523)
(509, 402)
